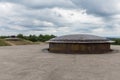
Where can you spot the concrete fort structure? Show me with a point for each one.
(12, 38)
(79, 43)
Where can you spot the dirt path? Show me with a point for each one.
(10, 43)
(31, 62)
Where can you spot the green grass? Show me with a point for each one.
(21, 42)
(3, 43)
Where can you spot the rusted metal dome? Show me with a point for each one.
(79, 38)
(79, 43)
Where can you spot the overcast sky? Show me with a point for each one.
(60, 17)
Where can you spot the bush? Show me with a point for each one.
(117, 41)
(35, 38)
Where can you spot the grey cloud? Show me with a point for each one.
(37, 4)
(99, 7)
(24, 13)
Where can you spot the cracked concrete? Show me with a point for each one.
(31, 62)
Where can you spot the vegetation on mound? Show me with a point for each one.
(3, 43)
(20, 42)
(117, 41)
(33, 38)
(20, 39)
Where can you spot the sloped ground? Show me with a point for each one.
(21, 42)
(3, 43)
(31, 62)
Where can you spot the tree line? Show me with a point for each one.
(117, 41)
(43, 38)
(33, 38)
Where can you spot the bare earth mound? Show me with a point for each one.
(30, 62)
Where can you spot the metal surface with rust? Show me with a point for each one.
(79, 43)
(79, 48)
(79, 38)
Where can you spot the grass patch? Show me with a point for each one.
(3, 43)
(20, 42)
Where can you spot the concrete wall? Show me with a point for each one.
(79, 48)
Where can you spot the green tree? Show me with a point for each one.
(33, 38)
(20, 36)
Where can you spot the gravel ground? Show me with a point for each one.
(31, 62)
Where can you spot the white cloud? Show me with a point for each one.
(77, 16)
(100, 7)
(43, 23)
(37, 4)
(17, 27)
(60, 17)
(114, 31)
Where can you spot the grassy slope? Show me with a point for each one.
(12, 43)
(21, 42)
(3, 43)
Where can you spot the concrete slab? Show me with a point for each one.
(31, 62)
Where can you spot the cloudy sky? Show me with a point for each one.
(60, 17)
